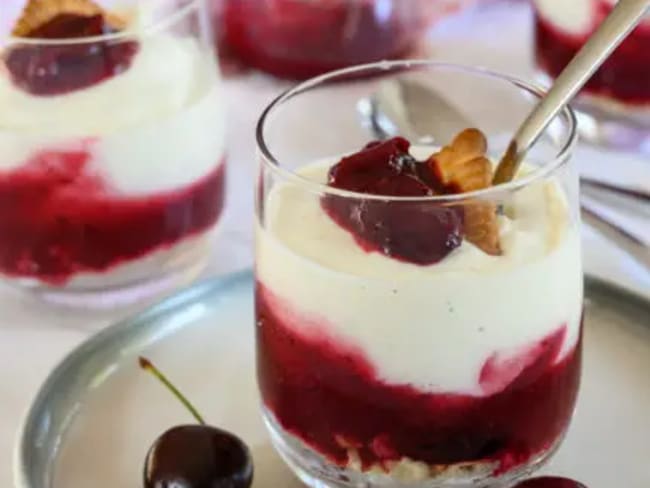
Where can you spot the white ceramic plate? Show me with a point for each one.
(96, 416)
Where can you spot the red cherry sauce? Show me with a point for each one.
(53, 69)
(328, 394)
(298, 39)
(417, 232)
(58, 217)
(625, 75)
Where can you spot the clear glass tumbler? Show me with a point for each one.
(112, 151)
(615, 103)
(298, 39)
(392, 350)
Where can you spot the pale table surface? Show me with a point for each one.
(34, 337)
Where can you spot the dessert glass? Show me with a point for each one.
(380, 371)
(112, 155)
(614, 106)
(298, 39)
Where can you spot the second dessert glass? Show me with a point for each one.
(615, 103)
(391, 350)
(298, 39)
(112, 152)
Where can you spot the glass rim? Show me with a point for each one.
(159, 25)
(560, 158)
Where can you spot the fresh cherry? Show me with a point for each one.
(195, 455)
(58, 68)
(549, 482)
(413, 231)
(198, 456)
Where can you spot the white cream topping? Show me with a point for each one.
(171, 153)
(157, 126)
(573, 16)
(429, 326)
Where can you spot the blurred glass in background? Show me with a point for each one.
(302, 38)
(616, 101)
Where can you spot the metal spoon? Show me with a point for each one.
(616, 26)
(403, 106)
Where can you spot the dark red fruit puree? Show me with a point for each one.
(58, 217)
(328, 394)
(298, 39)
(625, 75)
(58, 68)
(417, 232)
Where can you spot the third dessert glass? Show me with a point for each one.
(299, 39)
(409, 334)
(617, 98)
(111, 148)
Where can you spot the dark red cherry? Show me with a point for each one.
(417, 232)
(195, 455)
(549, 482)
(58, 68)
(384, 168)
(198, 456)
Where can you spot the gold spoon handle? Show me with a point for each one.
(616, 27)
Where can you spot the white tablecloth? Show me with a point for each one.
(33, 336)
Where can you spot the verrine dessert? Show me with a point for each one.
(299, 39)
(415, 325)
(620, 90)
(112, 147)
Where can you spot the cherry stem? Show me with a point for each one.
(148, 366)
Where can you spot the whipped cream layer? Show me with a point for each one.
(574, 16)
(432, 327)
(157, 126)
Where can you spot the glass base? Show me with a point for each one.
(608, 123)
(317, 472)
(142, 280)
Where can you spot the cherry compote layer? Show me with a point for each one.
(55, 68)
(58, 217)
(419, 231)
(329, 395)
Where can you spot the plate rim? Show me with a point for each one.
(176, 300)
(20, 469)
